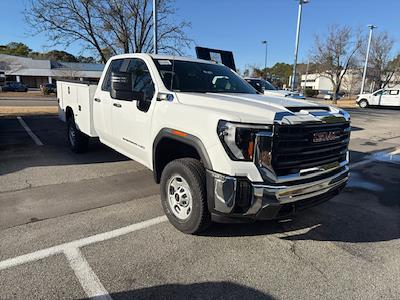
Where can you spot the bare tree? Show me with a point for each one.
(108, 27)
(380, 63)
(335, 53)
(393, 69)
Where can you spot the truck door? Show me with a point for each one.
(102, 104)
(131, 120)
(375, 98)
(390, 98)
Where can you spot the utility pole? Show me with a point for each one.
(155, 24)
(371, 29)
(296, 48)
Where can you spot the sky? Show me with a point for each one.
(241, 25)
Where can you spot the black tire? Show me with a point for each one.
(193, 172)
(77, 140)
(363, 103)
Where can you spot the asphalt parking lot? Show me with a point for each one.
(27, 99)
(91, 225)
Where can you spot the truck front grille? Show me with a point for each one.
(295, 147)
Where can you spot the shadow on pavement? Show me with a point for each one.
(332, 221)
(18, 151)
(205, 290)
(354, 128)
(367, 210)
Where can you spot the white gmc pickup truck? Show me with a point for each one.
(216, 146)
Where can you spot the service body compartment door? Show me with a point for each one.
(78, 97)
(84, 113)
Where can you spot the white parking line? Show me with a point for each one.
(37, 255)
(84, 273)
(30, 132)
(87, 278)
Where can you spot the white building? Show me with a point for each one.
(351, 82)
(34, 72)
(316, 82)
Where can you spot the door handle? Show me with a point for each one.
(117, 105)
(97, 100)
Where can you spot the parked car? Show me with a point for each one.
(14, 86)
(382, 97)
(2, 80)
(331, 96)
(48, 88)
(265, 87)
(217, 148)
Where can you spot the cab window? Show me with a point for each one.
(141, 78)
(115, 66)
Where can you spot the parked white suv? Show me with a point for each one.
(382, 97)
(216, 147)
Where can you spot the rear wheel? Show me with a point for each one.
(77, 140)
(184, 197)
(363, 103)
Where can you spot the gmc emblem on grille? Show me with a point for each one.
(325, 136)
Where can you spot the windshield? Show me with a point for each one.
(187, 76)
(268, 86)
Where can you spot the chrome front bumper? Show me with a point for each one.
(238, 198)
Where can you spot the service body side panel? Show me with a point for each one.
(78, 97)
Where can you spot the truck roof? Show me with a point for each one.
(163, 56)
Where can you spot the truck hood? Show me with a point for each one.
(284, 93)
(252, 108)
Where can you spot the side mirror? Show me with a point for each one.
(259, 88)
(121, 87)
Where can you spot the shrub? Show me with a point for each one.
(310, 93)
(46, 91)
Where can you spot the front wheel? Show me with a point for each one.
(363, 103)
(184, 197)
(77, 140)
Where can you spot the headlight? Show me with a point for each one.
(345, 114)
(238, 139)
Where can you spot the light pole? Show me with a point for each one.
(296, 47)
(371, 29)
(266, 53)
(155, 37)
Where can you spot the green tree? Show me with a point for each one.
(55, 55)
(14, 48)
(86, 59)
(60, 56)
(278, 74)
(282, 72)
